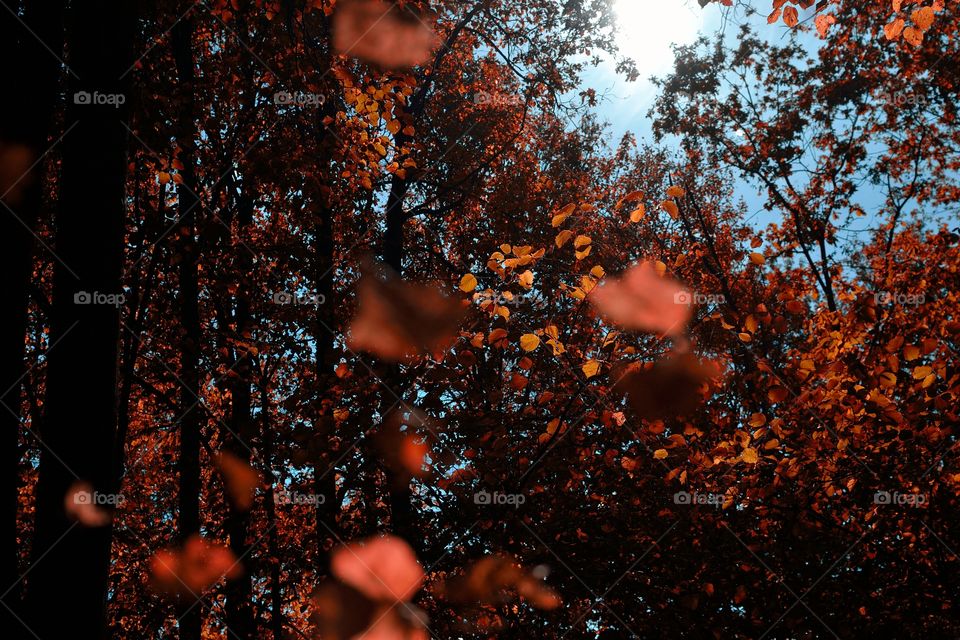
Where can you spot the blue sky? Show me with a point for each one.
(647, 39)
(647, 29)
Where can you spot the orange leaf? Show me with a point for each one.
(645, 301)
(913, 35)
(790, 16)
(894, 29)
(240, 478)
(923, 18)
(671, 207)
(468, 283)
(777, 394)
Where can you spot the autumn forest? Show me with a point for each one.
(379, 320)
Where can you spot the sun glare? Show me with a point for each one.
(649, 27)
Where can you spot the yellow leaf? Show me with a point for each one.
(526, 279)
(529, 342)
(638, 213)
(563, 214)
(557, 346)
(591, 368)
(563, 237)
(750, 456)
(587, 284)
(660, 454)
(758, 420)
(582, 241)
(468, 283)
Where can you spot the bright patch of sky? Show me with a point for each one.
(648, 31)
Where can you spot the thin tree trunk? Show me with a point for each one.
(401, 496)
(191, 420)
(238, 441)
(324, 480)
(25, 116)
(71, 563)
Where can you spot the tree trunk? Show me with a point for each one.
(187, 257)
(71, 563)
(401, 496)
(238, 441)
(324, 480)
(25, 118)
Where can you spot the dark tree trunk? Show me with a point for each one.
(25, 113)
(401, 496)
(71, 563)
(187, 258)
(393, 252)
(238, 440)
(324, 480)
